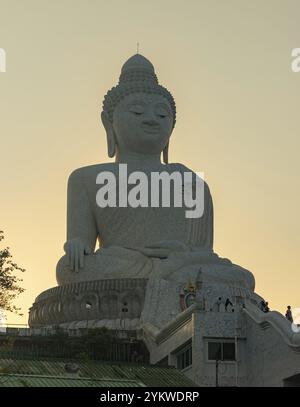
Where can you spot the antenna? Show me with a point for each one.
(137, 47)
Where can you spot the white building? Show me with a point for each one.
(218, 348)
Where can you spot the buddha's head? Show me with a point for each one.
(138, 114)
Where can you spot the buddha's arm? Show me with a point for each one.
(200, 232)
(81, 225)
(208, 218)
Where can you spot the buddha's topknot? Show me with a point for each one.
(137, 75)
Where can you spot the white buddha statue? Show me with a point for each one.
(156, 243)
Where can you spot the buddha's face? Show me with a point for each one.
(143, 123)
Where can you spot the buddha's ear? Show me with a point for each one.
(166, 154)
(110, 134)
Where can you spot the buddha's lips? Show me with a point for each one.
(150, 128)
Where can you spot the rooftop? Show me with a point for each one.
(45, 373)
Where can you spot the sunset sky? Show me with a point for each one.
(228, 65)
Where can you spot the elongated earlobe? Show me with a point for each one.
(166, 154)
(111, 147)
(110, 135)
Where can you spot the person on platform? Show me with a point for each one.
(288, 314)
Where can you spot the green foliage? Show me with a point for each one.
(97, 342)
(93, 344)
(7, 344)
(59, 334)
(9, 282)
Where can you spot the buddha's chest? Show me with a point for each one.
(139, 226)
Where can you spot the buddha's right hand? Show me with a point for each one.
(75, 250)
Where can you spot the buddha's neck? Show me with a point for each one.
(138, 159)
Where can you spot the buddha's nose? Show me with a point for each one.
(151, 122)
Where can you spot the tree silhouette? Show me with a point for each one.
(9, 282)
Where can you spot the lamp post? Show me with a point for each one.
(123, 314)
(88, 307)
(219, 358)
(217, 372)
(3, 324)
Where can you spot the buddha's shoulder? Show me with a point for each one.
(178, 167)
(91, 171)
(184, 169)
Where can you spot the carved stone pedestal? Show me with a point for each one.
(114, 304)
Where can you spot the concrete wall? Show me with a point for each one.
(269, 358)
(267, 352)
(219, 326)
(170, 344)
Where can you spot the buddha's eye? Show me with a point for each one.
(162, 112)
(137, 110)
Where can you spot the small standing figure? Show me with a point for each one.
(288, 314)
(219, 302)
(228, 302)
(262, 305)
(267, 309)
